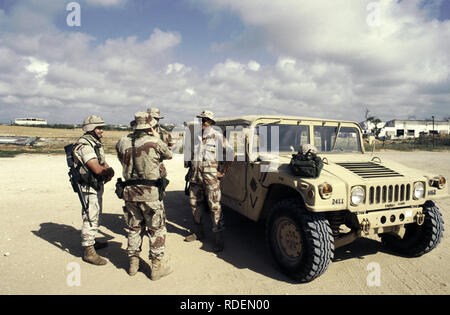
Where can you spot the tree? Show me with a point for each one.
(375, 121)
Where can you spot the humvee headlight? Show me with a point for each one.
(438, 182)
(419, 190)
(325, 190)
(357, 195)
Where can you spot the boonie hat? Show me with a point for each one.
(154, 112)
(143, 121)
(207, 114)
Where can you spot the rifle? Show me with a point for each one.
(75, 179)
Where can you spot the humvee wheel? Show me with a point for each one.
(418, 240)
(300, 242)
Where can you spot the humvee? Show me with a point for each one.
(356, 195)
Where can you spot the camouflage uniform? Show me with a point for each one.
(164, 135)
(204, 183)
(143, 209)
(83, 152)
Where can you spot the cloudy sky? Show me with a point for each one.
(64, 60)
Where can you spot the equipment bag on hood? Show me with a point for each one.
(306, 164)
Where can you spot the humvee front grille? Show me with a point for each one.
(370, 170)
(388, 193)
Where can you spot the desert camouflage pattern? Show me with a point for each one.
(150, 151)
(94, 200)
(204, 185)
(209, 149)
(143, 212)
(166, 137)
(146, 217)
(154, 112)
(207, 194)
(83, 152)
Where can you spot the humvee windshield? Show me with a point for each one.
(347, 140)
(291, 137)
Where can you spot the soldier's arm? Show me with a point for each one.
(164, 151)
(98, 169)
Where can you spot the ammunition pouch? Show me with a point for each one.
(92, 180)
(160, 183)
(120, 186)
(306, 165)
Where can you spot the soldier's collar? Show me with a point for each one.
(92, 138)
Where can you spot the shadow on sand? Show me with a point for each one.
(68, 239)
(245, 246)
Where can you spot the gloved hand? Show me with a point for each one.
(108, 174)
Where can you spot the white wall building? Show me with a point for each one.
(404, 129)
(30, 121)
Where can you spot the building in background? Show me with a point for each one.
(30, 121)
(405, 129)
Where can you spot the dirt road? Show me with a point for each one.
(40, 244)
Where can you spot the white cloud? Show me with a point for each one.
(328, 63)
(38, 67)
(331, 42)
(253, 65)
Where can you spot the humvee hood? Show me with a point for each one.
(362, 168)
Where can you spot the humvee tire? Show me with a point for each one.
(300, 242)
(418, 239)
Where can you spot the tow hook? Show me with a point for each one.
(365, 226)
(420, 218)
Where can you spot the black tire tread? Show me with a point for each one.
(319, 241)
(429, 234)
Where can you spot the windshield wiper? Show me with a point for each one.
(335, 139)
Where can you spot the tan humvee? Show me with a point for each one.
(357, 194)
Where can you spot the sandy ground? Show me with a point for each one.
(40, 244)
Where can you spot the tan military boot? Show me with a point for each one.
(160, 268)
(197, 235)
(134, 265)
(92, 257)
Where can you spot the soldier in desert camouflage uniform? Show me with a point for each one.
(140, 154)
(89, 156)
(204, 179)
(163, 134)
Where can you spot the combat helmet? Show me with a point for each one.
(92, 122)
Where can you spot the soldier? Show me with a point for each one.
(140, 154)
(204, 179)
(164, 134)
(89, 156)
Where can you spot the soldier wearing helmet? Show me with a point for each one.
(140, 154)
(204, 179)
(89, 156)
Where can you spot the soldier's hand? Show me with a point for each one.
(220, 175)
(109, 174)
